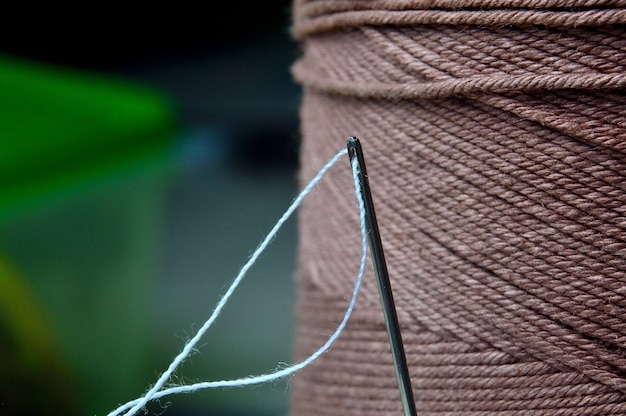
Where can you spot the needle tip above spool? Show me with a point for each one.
(382, 276)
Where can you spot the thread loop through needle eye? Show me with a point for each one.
(158, 390)
(355, 153)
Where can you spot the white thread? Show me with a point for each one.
(155, 392)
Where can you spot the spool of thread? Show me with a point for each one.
(496, 134)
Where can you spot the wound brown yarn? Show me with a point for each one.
(495, 136)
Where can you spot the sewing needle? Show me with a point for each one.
(384, 286)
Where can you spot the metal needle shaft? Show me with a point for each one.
(384, 286)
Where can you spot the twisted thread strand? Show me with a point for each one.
(158, 391)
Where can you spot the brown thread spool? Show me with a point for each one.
(497, 136)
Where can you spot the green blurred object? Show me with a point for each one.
(61, 127)
(33, 374)
(84, 161)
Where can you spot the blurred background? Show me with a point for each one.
(143, 158)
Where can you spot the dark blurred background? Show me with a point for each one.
(223, 77)
(226, 66)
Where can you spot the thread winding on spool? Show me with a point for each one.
(157, 391)
(498, 135)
